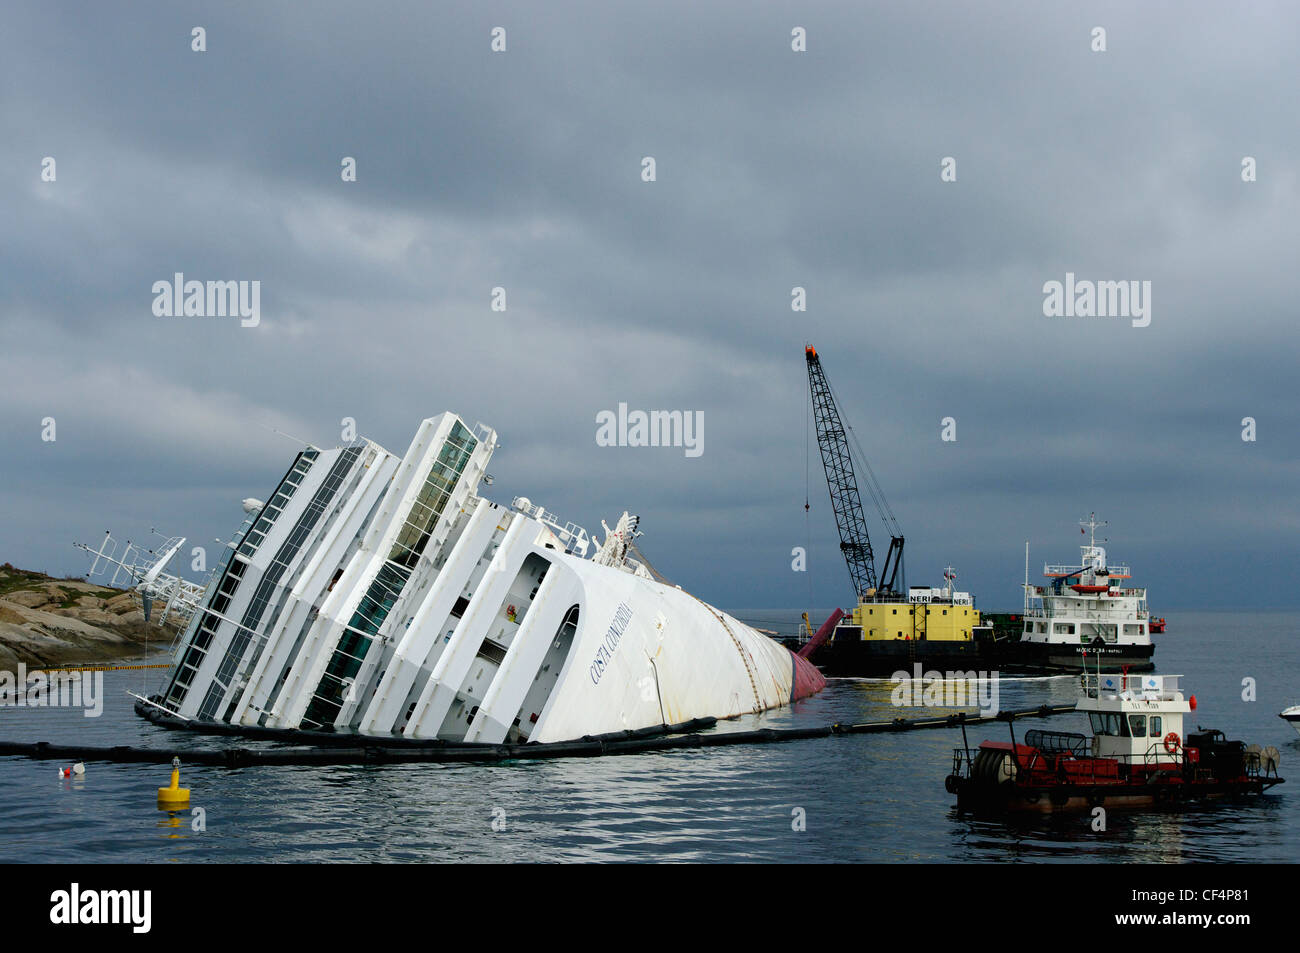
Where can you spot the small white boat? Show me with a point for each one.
(1292, 715)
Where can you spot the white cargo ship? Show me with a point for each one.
(381, 595)
(1087, 616)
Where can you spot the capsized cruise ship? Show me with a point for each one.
(383, 596)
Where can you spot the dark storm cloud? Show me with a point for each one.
(775, 169)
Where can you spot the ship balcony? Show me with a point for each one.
(1108, 614)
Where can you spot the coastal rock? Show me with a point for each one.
(44, 621)
(32, 598)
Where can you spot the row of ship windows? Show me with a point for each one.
(1108, 723)
(273, 509)
(1068, 628)
(387, 586)
(964, 612)
(430, 502)
(383, 591)
(235, 573)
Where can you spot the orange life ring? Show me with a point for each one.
(1172, 742)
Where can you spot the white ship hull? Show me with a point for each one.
(385, 597)
(1087, 618)
(1292, 716)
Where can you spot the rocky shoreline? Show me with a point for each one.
(46, 622)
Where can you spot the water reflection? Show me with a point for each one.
(861, 797)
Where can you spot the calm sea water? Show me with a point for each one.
(864, 798)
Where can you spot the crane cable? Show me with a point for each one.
(874, 489)
(807, 485)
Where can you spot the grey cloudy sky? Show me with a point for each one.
(775, 169)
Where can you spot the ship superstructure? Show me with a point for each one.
(1086, 616)
(379, 594)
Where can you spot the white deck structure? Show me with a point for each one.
(1087, 603)
(1136, 718)
(382, 595)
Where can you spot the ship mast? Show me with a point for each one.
(1092, 524)
(1026, 585)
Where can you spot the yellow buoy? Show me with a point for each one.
(174, 797)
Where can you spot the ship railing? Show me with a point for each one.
(1050, 569)
(1087, 768)
(1157, 753)
(1114, 684)
(1154, 757)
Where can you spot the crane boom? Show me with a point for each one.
(846, 501)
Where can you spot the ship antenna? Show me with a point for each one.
(1092, 525)
(1026, 586)
(306, 443)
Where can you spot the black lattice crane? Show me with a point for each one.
(846, 501)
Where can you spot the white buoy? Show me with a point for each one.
(79, 769)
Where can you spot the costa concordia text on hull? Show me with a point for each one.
(384, 596)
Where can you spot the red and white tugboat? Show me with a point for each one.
(1138, 756)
